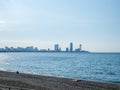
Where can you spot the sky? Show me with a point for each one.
(42, 23)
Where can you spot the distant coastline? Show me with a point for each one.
(49, 51)
(35, 49)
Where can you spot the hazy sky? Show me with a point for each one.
(42, 23)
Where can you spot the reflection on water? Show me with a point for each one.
(97, 66)
(3, 57)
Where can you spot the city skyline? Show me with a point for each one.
(42, 23)
(57, 48)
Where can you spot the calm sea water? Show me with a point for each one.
(89, 66)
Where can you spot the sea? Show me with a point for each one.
(102, 67)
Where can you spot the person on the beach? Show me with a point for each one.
(17, 72)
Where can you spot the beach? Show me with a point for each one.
(22, 81)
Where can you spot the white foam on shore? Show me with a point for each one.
(7, 70)
(3, 69)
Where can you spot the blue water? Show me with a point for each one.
(90, 66)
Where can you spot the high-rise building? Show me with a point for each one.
(56, 47)
(71, 47)
(67, 49)
(80, 47)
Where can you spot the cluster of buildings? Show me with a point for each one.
(32, 49)
(68, 49)
(19, 49)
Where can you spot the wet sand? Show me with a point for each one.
(22, 81)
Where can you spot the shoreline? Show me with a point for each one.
(46, 75)
(38, 82)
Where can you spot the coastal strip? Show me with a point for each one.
(22, 81)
